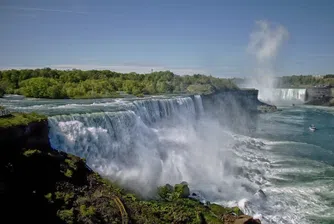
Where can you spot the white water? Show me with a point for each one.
(281, 95)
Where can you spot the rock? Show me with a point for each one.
(246, 219)
(262, 194)
(266, 108)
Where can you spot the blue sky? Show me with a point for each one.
(184, 36)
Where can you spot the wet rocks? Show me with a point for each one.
(266, 108)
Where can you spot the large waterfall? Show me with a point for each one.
(281, 95)
(157, 141)
(225, 153)
(136, 145)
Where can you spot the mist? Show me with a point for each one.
(265, 42)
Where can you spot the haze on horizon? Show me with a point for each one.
(219, 38)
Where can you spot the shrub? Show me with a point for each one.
(87, 212)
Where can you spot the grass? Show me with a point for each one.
(18, 119)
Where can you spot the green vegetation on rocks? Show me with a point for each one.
(31, 152)
(49, 83)
(17, 119)
(169, 193)
(50, 194)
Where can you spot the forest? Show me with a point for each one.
(295, 81)
(58, 84)
(304, 81)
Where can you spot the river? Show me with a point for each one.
(274, 167)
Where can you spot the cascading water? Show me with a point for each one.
(123, 145)
(199, 104)
(281, 95)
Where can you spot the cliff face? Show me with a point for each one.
(34, 135)
(320, 96)
(235, 102)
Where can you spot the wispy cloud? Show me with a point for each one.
(42, 9)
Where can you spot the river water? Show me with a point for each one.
(274, 167)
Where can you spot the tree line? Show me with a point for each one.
(305, 81)
(295, 81)
(56, 84)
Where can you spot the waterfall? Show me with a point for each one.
(148, 143)
(277, 95)
(124, 144)
(199, 104)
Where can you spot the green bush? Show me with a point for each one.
(169, 193)
(165, 192)
(87, 212)
(68, 173)
(181, 190)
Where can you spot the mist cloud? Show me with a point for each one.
(266, 40)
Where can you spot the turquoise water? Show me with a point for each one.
(151, 142)
(302, 162)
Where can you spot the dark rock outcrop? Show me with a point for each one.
(320, 96)
(34, 135)
(236, 102)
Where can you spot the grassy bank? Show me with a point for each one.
(18, 119)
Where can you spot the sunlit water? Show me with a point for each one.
(147, 143)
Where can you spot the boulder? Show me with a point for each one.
(246, 219)
(267, 108)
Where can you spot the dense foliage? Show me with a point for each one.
(49, 83)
